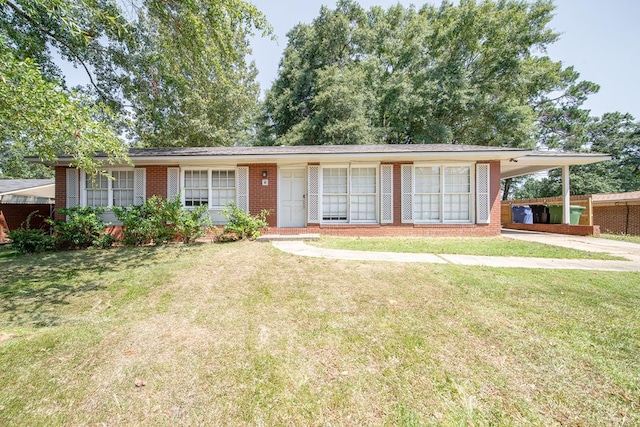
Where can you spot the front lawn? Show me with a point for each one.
(489, 246)
(623, 237)
(243, 334)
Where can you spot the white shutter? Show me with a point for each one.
(313, 184)
(406, 178)
(73, 190)
(173, 183)
(242, 189)
(139, 186)
(386, 194)
(483, 202)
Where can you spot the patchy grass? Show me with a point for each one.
(242, 334)
(489, 246)
(622, 237)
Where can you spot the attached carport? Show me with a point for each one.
(537, 161)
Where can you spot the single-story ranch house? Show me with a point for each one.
(365, 190)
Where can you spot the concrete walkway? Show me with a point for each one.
(627, 250)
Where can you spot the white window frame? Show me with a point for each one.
(443, 193)
(83, 188)
(184, 188)
(323, 170)
(210, 187)
(350, 193)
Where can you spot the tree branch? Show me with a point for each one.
(51, 35)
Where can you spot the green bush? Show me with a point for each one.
(192, 223)
(159, 221)
(27, 240)
(83, 228)
(241, 224)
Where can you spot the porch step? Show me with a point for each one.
(287, 237)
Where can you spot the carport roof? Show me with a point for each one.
(27, 187)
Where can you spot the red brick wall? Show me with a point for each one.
(156, 181)
(494, 187)
(15, 215)
(620, 219)
(61, 190)
(574, 230)
(397, 195)
(266, 197)
(261, 196)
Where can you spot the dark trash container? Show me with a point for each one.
(540, 214)
(522, 214)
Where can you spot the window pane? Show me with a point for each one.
(334, 208)
(363, 180)
(334, 180)
(457, 179)
(122, 188)
(456, 207)
(427, 207)
(196, 189)
(97, 191)
(223, 187)
(363, 208)
(427, 180)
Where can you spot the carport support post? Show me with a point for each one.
(566, 198)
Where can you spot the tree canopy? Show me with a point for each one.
(469, 73)
(616, 134)
(161, 73)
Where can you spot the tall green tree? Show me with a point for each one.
(174, 70)
(468, 73)
(616, 134)
(188, 82)
(39, 116)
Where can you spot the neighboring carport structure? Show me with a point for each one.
(20, 197)
(542, 161)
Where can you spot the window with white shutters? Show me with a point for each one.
(116, 188)
(438, 193)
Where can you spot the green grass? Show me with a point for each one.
(490, 246)
(622, 237)
(242, 334)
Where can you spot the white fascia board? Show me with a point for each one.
(323, 158)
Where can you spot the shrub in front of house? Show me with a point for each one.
(83, 228)
(27, 240)
(159, 221)
(241, 225)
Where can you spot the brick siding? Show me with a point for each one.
(156, 181)
(61, 191)
(264, 196)
(618, 219)
(16, 214)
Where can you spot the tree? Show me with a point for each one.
(616, 134)
(189, 83)
(38, 117)
(175, 70)
(468, 73)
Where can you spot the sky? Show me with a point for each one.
(601, 39)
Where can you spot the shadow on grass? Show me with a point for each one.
(32, 287)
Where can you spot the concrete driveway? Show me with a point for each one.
(630, 251)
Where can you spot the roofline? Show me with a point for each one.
(310, 156)
(37, 187)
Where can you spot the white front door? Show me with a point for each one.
(292, 192)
